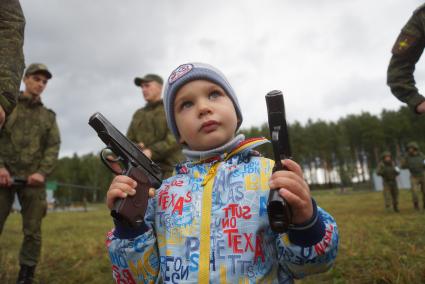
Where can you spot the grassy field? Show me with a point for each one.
(375, 246)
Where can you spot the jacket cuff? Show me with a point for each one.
(414, 101)
(308, 233)
(42, 172)
(123, 231)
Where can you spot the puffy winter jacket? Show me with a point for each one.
(209, 224)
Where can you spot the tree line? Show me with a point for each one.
(350, 147)
(346, 151)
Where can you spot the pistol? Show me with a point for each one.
(18, 181)
(278, 209)
(130, 210)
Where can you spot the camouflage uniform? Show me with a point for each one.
(415, 164)
(150, 127)
(12, 23)
(389, 173)
(29, 143)
(405, 54)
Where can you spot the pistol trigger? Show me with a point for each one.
(113, 164)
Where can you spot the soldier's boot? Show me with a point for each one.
(26, 274)
(416, 205)
(395, 206)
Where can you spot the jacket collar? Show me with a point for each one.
(154, 104)
(27, 101)
(225, 152)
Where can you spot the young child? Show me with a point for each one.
(209, 223)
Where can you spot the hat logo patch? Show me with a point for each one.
(179, 72)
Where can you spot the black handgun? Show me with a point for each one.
(145, 172)
(18, 181)
(278, 209)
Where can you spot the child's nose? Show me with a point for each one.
(204, 107)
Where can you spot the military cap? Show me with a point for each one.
(385, 153)
(148, 78)
(38, 68)
(413, 145)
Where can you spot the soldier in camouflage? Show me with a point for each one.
(414, 161)
(149, 129)
(29, 146)
(12, 24)
(406, 52)
(389, 172)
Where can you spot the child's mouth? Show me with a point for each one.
(209, 126)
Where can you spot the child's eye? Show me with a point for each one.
(214, 94)
(186, 104)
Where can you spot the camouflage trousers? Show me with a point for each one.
(418, 185)
(390, 194)
(34, 207)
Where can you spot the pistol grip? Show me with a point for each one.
(132, 209)
(278, 209)
(279, 212)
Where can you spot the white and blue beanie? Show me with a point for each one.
(186, 73)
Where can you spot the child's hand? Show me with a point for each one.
(121, 187)
(295, 190)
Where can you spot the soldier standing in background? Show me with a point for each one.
(389, 172)
(12, 24)
(29, 147)
(406, 52)
(414, 161)
(149, 129)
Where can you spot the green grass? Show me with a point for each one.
(375, 246)
(73, 248)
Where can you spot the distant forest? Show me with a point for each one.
(347, 147)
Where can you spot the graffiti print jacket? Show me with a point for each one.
(209, 224)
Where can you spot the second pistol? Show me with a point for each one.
(278, 209)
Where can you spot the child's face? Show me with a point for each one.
(205, 115)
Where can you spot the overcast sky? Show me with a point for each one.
(329, 57)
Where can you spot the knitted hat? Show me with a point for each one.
(189, 72)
